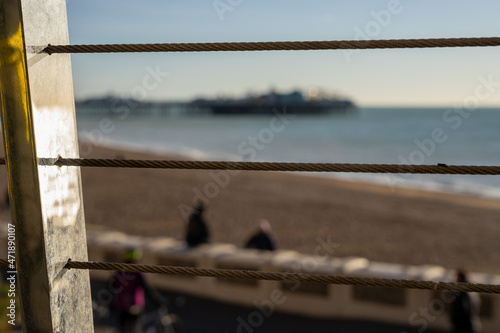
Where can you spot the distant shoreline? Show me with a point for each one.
(392, 181)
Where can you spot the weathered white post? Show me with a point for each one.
(38, 119)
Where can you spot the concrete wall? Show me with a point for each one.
(418, 308)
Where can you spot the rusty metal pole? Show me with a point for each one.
(38, 120)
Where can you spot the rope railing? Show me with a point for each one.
(284, 276)
(272, 166)
(277, 46)
(442, 169)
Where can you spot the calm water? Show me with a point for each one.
(417, 136)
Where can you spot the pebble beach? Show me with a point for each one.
(373, 221)
(377, 222)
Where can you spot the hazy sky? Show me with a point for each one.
(442, 77)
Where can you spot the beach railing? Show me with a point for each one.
(395, 306)
(47, 252)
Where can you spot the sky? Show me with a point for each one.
(413, 77)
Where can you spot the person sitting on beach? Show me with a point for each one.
(262, 239)
(464, 309)
(197, 230)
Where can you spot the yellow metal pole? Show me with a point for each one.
(38, 117)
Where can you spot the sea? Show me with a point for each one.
(368, 135)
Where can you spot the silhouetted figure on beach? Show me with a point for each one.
(464, 309)
(262, 239)
(197, 230)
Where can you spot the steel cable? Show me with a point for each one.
(271, 166)
(283, 276)
(440, 168)
(277, 46)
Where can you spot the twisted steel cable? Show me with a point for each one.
(277, 46)
(271, 166)
(282, 276)
(442, 169)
